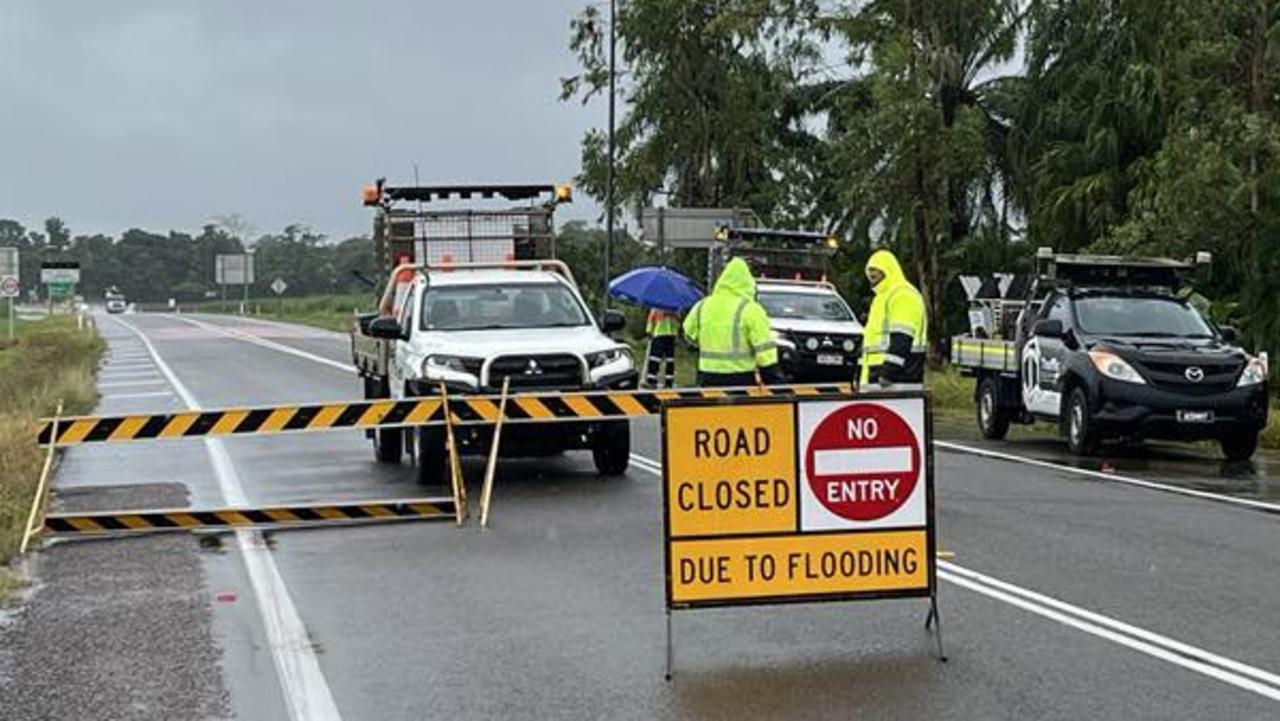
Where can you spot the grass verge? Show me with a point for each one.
(331, 312)
(51, 360)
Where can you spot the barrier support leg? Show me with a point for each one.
(933, 622)
(455, 466)
(486, 495)
(42, 489)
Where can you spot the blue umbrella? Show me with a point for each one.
(655, 287)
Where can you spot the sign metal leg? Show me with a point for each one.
(933, 622)
(670, 649)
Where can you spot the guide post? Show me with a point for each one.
(773, 501)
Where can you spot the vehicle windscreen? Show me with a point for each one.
(805, 306)
(477, 307)
(1140, 316)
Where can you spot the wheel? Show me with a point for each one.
(433, 458)
(1081, 437)
(993, 420)
(612, 449)
(388, 444)
(1239, 447)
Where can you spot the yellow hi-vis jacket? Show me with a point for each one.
(729, 327)
(662, 323)
(893, 342)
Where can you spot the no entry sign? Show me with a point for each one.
(862, 464)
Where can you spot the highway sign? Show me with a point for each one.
(59, 273)
(9, 266)
(785, 500)
(278, 286)
(233, 269)
(9, 286)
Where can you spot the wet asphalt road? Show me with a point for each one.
(557, 610)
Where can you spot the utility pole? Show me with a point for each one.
(609, 182)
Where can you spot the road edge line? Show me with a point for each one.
(306, 693)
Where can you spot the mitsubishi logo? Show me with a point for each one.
(1195, 374)
(533, 369)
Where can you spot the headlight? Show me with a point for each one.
(457, 364)
(811, 344)
(605, 357)
(848, 345)
(1114, 367)
(1254, 373)
(783, 340)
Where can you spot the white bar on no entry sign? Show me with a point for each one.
(889, 459)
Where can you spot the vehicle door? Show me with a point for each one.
(1044, 359)
(402, 350)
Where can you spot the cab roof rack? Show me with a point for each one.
(1073, 270)
(777, 253)
(379, 193)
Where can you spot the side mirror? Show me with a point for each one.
(1048, 329)
(387, 327)
(1228, 333)
(613, 321)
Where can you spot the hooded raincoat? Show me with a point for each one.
(730, 328)
(893, 342)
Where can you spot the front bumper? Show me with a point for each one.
(626, 380)
(801, 366)
(1131, 410)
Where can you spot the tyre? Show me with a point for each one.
(1239, 447)
(993, 421)
(611, 450)
(1082, 439)
(433, 458)
(388, 444)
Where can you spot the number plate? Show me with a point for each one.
(830, 360)
(1195, 416)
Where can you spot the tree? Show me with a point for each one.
(701, 92)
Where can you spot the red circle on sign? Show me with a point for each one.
(861, 493)
(9, 286)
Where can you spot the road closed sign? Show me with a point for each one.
(774, 501)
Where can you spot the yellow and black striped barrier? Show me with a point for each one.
(112, 523)
(521, 408)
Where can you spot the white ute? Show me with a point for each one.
(469, 327)
(819, 339)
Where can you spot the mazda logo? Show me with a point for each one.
(532, 369)
(1195, 374)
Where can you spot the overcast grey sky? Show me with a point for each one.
(164, 113)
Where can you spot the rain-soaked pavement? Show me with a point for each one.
(1196, 466)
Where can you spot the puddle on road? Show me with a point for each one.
(1196, 466)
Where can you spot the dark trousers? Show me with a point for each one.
(662, 362)
(768, 374)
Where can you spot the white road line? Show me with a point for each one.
(306, 693)
(1150, 649)
(1128, 480)
(150, 394)
(1218, 667)
(122, 384)
(247, 338)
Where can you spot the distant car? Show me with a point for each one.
(819, 339)
(116, 305)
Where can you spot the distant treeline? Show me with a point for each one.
(152, 267)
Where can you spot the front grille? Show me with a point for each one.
(537, 371)
(827, 342)
(1218, 376)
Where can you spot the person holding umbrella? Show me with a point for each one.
(662, 327)
(666, 294)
